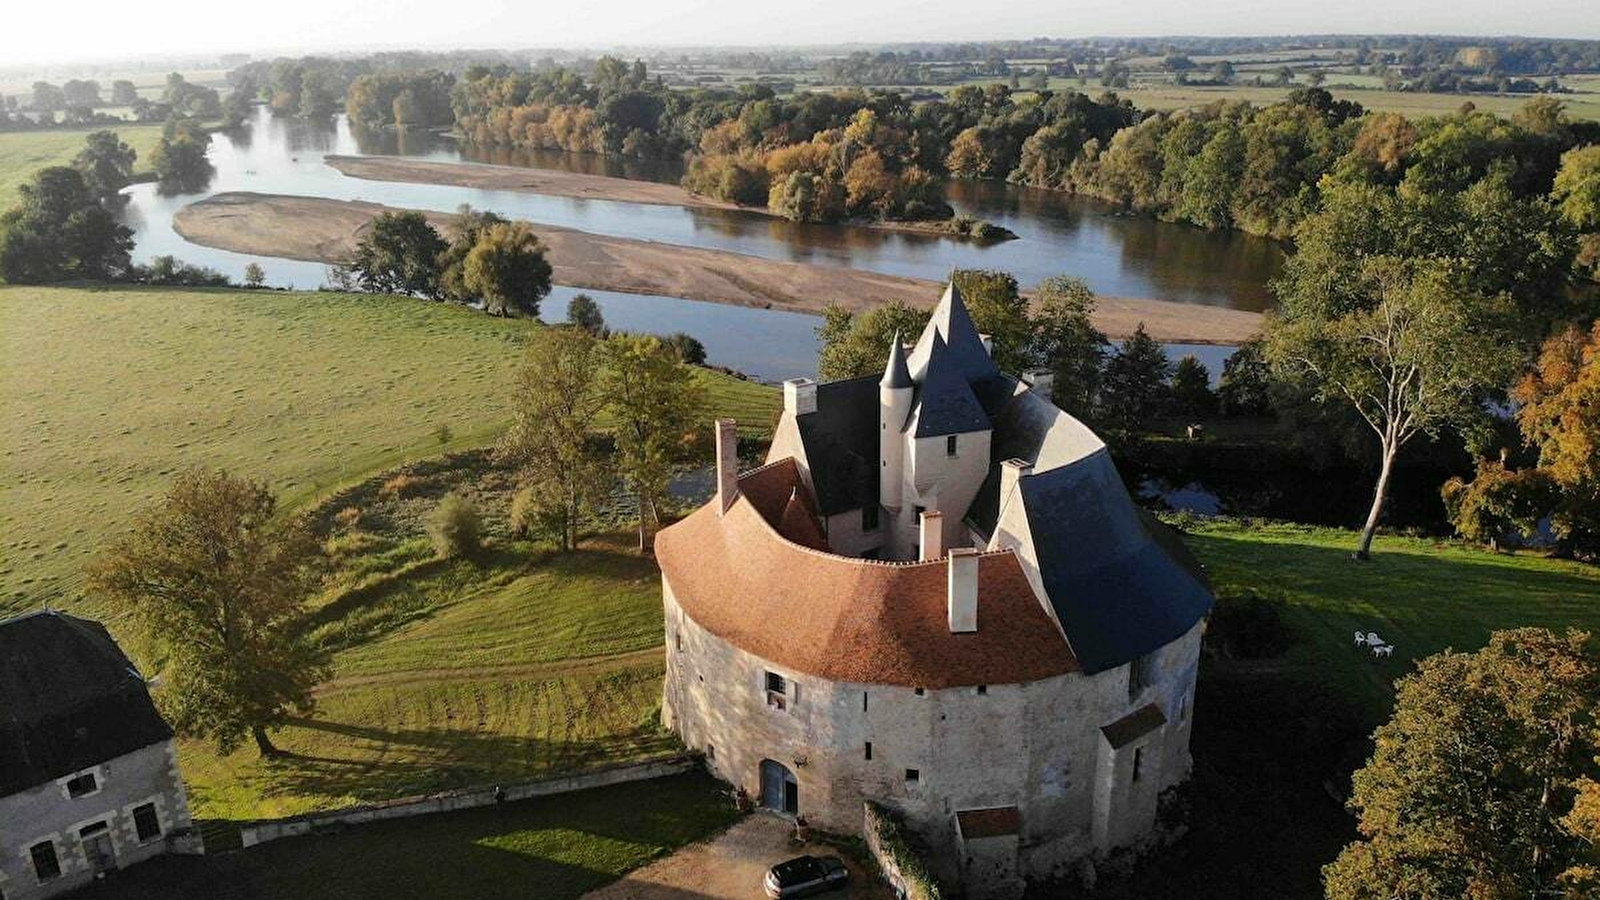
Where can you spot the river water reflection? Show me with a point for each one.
(1116, 255)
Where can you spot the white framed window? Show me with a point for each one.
(777, 688)
(46, 865)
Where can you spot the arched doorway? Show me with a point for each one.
(779, 789)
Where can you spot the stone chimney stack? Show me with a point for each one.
(1012, 471)
(931, 534)
(1040, 381)
(799, 396)
(727, 464)
(963, 594)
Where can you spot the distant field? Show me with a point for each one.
(24, 152)
(104, 394)
(149, 84)
(1172, 96)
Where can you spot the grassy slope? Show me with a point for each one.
(105, 393)
(24, 152)
(555, 848)
(1421, 595)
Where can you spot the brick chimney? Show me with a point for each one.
(962, 598)
(799, 396)
(931, 534)
(727, 464)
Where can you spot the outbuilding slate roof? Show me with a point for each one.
(69, 699)
(845, 619)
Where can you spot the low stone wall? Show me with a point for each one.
(890, 845)
(469, 798)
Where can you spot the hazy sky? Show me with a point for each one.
(49, 30)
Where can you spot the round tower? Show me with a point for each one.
(894, 406)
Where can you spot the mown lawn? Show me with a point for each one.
(1419, 594)
(554, 848)
(105, 394)
(24, 152)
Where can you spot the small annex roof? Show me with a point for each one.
(1133, 726)
(996, 821)
(844, 619)
(69, 699)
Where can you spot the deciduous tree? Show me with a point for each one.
(654, 403)
(218, 577)
(508, 269)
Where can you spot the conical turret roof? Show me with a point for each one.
(896, 374)
(963, 347)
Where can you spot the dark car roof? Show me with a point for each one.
(805, 868)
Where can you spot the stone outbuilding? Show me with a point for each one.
(88, 773)
(937, 595)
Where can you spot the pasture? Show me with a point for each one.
(106, 393)
(24, 152)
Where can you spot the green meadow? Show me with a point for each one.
(24, 152)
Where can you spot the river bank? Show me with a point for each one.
(581, 186)
(323, 230)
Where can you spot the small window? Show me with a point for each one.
(45, 864)
(146, 824)
(1140, 672)
(82, 785)
(869, 517)
(678, 640)
(863, 701)
(711, 751)
(777, 687)
(93, 828)
(913, 776)
(919, 692)
(1138, 761)
(869, 749)
(950, 445)
(775, 682)
(1183, 707)
(983, 689)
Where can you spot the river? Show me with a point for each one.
(1116, 255)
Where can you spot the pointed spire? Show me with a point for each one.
(896, 374)
(951, 322)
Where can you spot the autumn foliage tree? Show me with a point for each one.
(218, 577)
(654, 403)
(1482, 784)
(1559, 413)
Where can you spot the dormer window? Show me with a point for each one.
(950, 445)
(82, 785)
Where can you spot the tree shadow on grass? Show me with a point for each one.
(553, 848)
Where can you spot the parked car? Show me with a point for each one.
(804, 876)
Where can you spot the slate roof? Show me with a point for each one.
(69, 699)
(953, 325)
(841, 440)
(1119, 589)
(896, 374)
(944, 403)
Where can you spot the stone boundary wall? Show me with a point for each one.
(468, 798)
(896, 858)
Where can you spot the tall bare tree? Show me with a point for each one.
(1410, 356)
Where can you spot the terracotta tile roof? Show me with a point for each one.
(846, 619)
(999, 821)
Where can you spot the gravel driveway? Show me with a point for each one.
(730, 867)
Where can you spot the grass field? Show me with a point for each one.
(554, 848)
(1421, 595)
(24, 152)
(104, 394)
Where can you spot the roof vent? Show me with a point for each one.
(962, 599)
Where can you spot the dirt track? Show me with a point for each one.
(322, 230)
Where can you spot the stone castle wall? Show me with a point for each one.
(1038, 746)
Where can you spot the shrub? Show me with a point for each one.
(399, 486)
(537, 513)
(454, 528)
(1499, 504)
(443, 434)
(349, 517)
(1248, 625)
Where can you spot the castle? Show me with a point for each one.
(937, 596)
